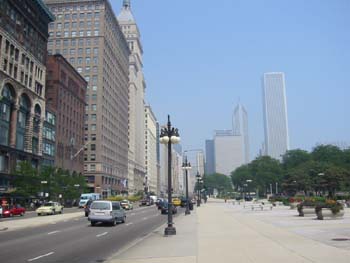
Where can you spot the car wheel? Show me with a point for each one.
(11, 215)
(124, 219)
(39, 214)
(114, 222)
(21, 214)
(61, 211)
(93, 223)
(86, 214)
(53, 212)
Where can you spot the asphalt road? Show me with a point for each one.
(30, 214)
(76, 241)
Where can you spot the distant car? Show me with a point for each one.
(146, 201)
(159, 203)
(50, 208)
(126, 204)
(183, 202)
(87, 207)
(106, 212)
(13, 210)
(164, 208)
(176, 201)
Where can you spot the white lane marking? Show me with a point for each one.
(103, 234)
(53, 232)
(145, 218)
(46, 255)
(132, 214)
(128, 224)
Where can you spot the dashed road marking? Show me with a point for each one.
(128, 224)
(103, 234)
(46, 255)
(53, 232)
(145, 218)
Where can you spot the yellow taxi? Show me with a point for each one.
(176, 201)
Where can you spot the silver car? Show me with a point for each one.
(106, 212)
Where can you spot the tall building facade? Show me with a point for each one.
(151, 150)
(88, 35)
(65, 95)
(23, 40)
(275, 114)
(228, 152)
(209, 157)
(240, 128)
(137, 88)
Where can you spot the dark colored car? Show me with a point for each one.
(87, 207)
(13, 210)
(147, 201)
(184, 203)
(159, 203)
(164, 208)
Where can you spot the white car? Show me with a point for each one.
(0, 211)
(50, 208)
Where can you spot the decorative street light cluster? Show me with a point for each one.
(199, 181)
(187, 166)
(169, 135)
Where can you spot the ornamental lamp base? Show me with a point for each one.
(170, 231)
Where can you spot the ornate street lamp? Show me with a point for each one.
(187, 166)
(199, 178)
(169, 135)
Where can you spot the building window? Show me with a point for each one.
(93, 127)
(92, 157)
(93, 107)
(93, 147)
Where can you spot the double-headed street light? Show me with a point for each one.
(199, 178)
(169, 135)
(187, 166)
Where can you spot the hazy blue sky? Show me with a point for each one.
(200, 56)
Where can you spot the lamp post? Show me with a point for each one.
(248, 188)
(187, 166)
(198, 176)
(169, 135)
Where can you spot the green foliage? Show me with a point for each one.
(29, 182)
(216, 181)
(324, 171)
(131, 198)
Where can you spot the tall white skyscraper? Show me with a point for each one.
(240, 128)
(275, 114)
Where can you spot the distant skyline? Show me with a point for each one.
(201, 56)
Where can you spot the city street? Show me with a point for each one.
(75, 240)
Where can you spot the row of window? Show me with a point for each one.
(81, 24)
(78, 7)
(80, 33)
(75, 16)
(74, 42)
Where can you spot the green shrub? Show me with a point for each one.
(134, 198)
(116, 198)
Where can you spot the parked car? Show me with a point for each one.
(183, 201)
(0, 211)
(13, 210)
(106, 212)
(126, 204)
(87, 207)
(50, 208)
(164, 208)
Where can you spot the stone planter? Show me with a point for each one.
(326, 213)
(294, 205)
(307, 211)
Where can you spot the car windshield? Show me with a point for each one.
(48, 204)
(84, 197)
(101, 205)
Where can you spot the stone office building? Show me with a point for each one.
(23, 42)
(65, 95)
(87, 34)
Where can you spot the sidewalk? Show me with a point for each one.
(218, 233)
